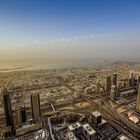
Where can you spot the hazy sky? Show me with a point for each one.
(51, 30)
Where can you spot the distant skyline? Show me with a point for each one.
(59, 30)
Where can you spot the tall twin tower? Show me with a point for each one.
(111, 86)
(20, 116)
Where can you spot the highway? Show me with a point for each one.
(112, 116)
(50, 130)
(121, 121)
(115, 119)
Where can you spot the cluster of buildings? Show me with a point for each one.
(22, 120)
(113, 89)
(96, 129)
(20, 116)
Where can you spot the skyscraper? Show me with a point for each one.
(132, 78)
(96, 118)
(138, 99)
(21, 116)
(18, 117)
(113, 93)
(35, 105)
(108, 84)
(114, 79)
(138, 81)
(8, 112)
(98, 86)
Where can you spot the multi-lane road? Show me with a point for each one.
(116, 119)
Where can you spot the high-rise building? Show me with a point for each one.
(138, 99)
(138, 81)
(8, 113)
(108, 84)
(21, 117)
(18, 117)
(113, 93)
(131, 74)
(96, 118)
(98, 86)
(35, 104)
(132, 78)
(114, 79)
